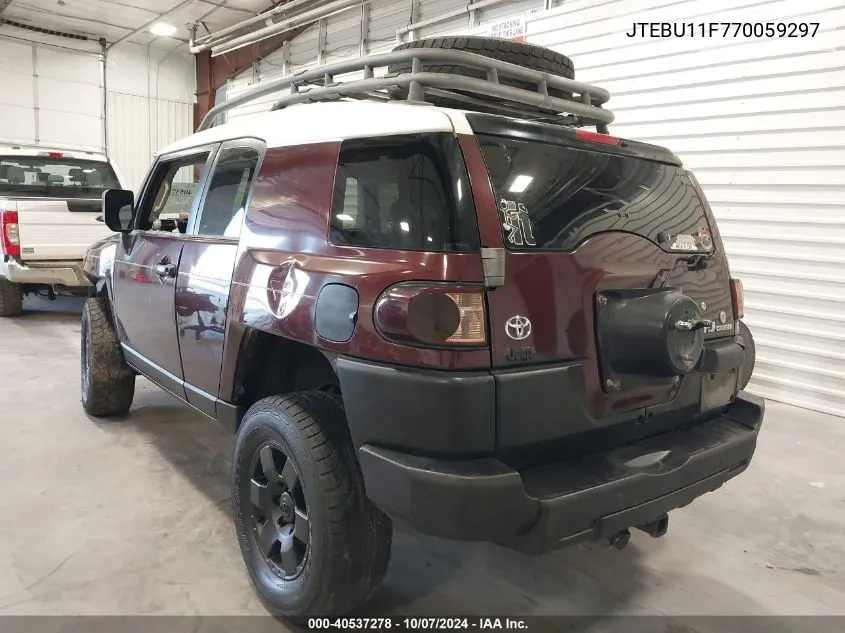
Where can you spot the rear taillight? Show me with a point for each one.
(737, 298)
(9, 236)
(432, 314)
(595, 137)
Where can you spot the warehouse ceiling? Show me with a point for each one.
(124, 20)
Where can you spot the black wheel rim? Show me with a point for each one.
(85, 360)
(279, 514)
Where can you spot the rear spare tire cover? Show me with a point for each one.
(637, 333)
(519, 53)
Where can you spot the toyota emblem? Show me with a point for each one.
(518, 327)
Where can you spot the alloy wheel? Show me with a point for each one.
(279, 514)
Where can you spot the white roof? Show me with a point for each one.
(330, 121)
(21, 150)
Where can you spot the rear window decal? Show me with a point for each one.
(702, 241)
(516, 221)
(684, 243)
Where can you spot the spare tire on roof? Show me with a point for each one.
(519, 53)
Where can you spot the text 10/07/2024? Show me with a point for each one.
(723, 29)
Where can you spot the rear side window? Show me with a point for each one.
(553, 197)
(223, 209)
(408, 192)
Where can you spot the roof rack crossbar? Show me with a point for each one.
(586, 105)
(450, 82)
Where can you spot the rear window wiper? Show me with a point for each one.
(699, 261)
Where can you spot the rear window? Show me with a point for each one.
(55, 177)
(408, 192)
(553, 197)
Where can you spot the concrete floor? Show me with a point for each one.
(131, 517)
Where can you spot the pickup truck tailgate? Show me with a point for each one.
(53, 229)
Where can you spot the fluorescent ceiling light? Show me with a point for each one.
(405, 226)
(345, 217)
(163, 29)
(520, 183)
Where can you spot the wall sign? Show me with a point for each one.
(512, 28)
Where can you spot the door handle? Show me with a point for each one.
(165, 269)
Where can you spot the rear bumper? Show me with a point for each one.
(541, 508)
(61, 273)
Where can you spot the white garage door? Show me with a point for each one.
(50, 97)
(762, 123)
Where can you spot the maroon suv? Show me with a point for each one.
(475, 317)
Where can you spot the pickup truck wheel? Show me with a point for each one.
(747, 343)
(311, 540)
(108, 383)
(11, 299)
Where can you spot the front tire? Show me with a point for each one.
(11, 299)
(312, 542)
(108, 383)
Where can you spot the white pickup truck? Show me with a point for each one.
(50, 213)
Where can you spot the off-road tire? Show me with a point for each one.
(108, 383)
(519, 53)
(11, 299)
(349, 538)
(747, 343)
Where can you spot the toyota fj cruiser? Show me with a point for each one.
(428, 295)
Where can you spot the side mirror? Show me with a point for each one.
(119, 209)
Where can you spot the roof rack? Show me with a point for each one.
(319, 84)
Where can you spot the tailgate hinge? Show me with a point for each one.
(493, 261)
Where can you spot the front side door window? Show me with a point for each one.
(175, 190)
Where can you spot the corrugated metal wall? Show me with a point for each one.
(386, 16)
(343, 36)
(433, 8)
(761, 121)
(150, 105)
(139, 126)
